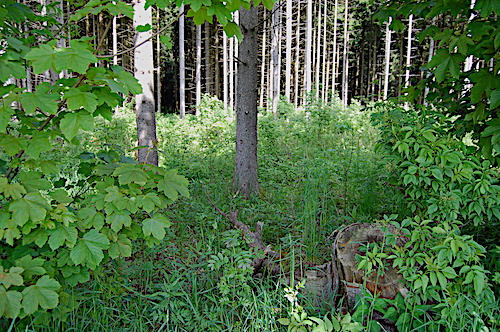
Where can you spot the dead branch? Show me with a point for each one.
(253, 239)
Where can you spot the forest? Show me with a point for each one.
(250, 165)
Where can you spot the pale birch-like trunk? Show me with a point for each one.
(144, 102)
(335, 49)
(263, 64)
(408, 51)
(198, 69)
(182, 66)
(318, 52)
(325, 55)
(308, 56)
(225, 72)
(345, 68)
(288, 49)
(387, 58)
(246, 166)
(275, 58)
(297, 58)
(231, 74)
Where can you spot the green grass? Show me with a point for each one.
(318, 172)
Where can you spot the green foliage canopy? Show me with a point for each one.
(51, 237)
(471, 34)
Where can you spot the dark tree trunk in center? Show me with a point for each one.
(245, 168)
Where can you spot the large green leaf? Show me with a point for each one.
(12, 144)
(43, 58)
(33, 181)
(39, 142)
(77, 58)
(128, 173)
(121, 248)
(31, 266)
(77, 99)
(47, 102)
(14, 190)
(89, 249)
(10, 303)
(119, 220)
(31, 207)
(155, 226)
(172, 184)
(72, 122)
(62, 235)
(42, 294)
(11, 277)
(446, 62)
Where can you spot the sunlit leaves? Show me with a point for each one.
(89, 249)
(43, 58)
(77, 57)
(173, 184)
(11, 276)
(61, 235)
(43, 294)
(128, 173)
(77, 99)
(10, 303)
(31, 266)
(40, 142)
(72, 122)
(155, 226)
(31, 207)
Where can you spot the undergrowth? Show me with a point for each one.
(318, 171)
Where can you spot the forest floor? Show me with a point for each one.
(318, 172)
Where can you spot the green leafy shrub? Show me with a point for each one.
(450, 191)
(52, 236)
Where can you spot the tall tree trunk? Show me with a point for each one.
(263, 64)
(225, 71)
(275, 58)
(231, 74)
(144, 103)
(408, 51)
(335, 48)
(198, 69)
(288, 49)
(246, 166)
(208, 68)
(308, 57)
(325, 54)
(318, 52)
(158, 62)
(387, 58)
(182, 66)
(297, 58)
(345, 67)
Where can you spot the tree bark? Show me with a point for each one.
(288, 49)
(198, 69)
(308, 58)
(144, 102)
(387, 61)
(246, 166)
(275, 58)
(182, 66)
(345, 67)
